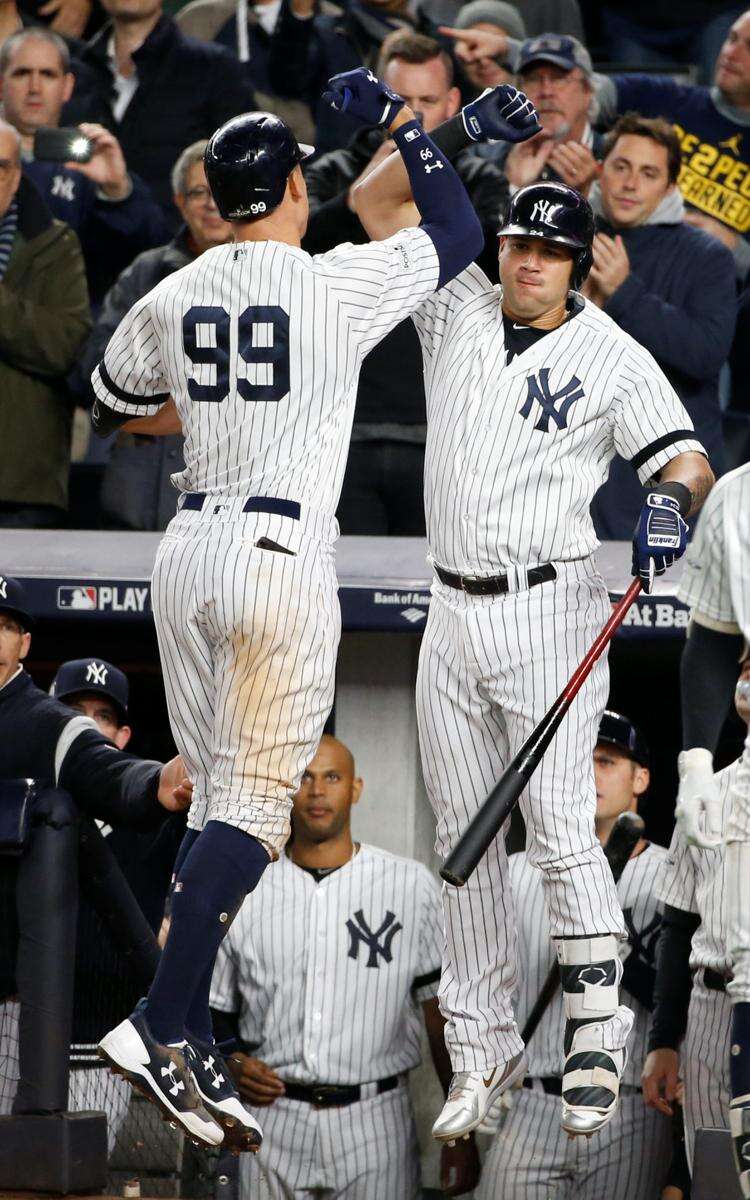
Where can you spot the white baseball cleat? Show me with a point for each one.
(161, 1073)
(472, 1094)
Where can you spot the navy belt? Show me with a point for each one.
(334, 1095)
(264, 504)
(497, 585)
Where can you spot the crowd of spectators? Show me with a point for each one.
(663, 156)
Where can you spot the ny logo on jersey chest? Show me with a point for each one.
(361, 934)
(538, 391)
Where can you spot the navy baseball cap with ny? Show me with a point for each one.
(92, 675)
(13, 601)
(620, 731)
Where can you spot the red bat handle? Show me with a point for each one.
(618, 613)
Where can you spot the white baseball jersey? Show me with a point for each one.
(695, 881)
(516, 452)
(327, 976)
(260, 345)
(637, 891)
(716, 574)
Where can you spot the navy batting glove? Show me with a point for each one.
(660, 537)
(501, 114)
(363, 95)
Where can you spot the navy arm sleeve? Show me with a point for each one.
(674, 982)
(111, 785)
(708, 674)
(446, 211)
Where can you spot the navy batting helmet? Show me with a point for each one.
(248, 161)
(556, 213)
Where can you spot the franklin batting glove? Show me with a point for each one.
(660, 537)
(501, 114)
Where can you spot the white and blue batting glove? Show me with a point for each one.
(660, 537)
(501, 114)
(699, 805)
(363, 95)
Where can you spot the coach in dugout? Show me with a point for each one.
(43, 739)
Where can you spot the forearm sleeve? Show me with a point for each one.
(674, 982)
(109, 784)
(708, 674)
(446, 211)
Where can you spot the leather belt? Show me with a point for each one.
(265, 504)
(496, 585)
(335, 1095)
(714, 981)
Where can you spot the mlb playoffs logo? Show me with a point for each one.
(81, 597)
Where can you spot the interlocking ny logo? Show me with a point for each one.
(177, 1084)
(96, 673)
(542, 211)
(539, 390)
(361, 932)
(3, 589)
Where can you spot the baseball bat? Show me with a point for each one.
(623, 838)
(488, 821)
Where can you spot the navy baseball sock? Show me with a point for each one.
(739, 1058)
(222, 866)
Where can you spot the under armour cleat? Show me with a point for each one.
(217, 1090)
(472, 1094)
(162, 1074)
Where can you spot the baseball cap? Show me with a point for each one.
(92, 675)
(620, 731)
(13, 601)
(565, 52)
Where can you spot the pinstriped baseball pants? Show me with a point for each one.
(363, 1151)
(704, 1063)
(248, 640)
(531, 1158)
(489, 668)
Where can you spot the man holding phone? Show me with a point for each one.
(81, 171)
(44, 318)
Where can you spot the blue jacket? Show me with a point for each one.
(679, 301)
(111, 233)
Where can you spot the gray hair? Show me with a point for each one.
(9, 47)
(189, 157)
(6, 127)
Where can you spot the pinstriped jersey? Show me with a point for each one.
(637, 893)
(327, 976)
(716, 576)
(695, 882)
(516, 451)
(260, 345)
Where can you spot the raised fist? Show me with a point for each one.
(501, 114)
(363, 95)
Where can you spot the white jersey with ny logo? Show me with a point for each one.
(516, 451)
(260, 345)
(327, 977)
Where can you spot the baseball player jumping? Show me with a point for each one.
(530, 392)
(716, 585)
(260, 346)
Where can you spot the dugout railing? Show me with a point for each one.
(75, 953)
